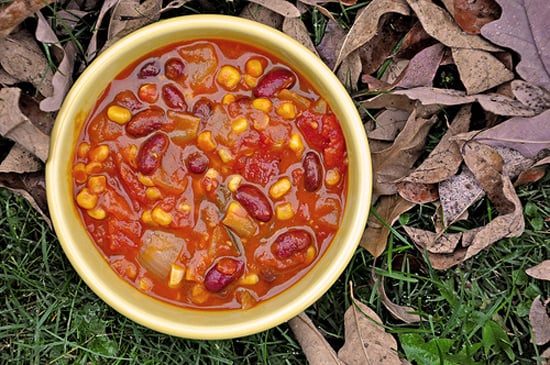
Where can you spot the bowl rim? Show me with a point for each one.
(130, 304)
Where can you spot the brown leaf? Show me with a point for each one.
(422, 68)
(317, 350)
(332, 40)
(365, 25)
(401, 312)
(445, 159)
(438, 23)
(17, 11)
(472, 15)
(431, 95)
(281, 7)
(540, 321)
(418, 193)
(433, 242)
(20, 160)
(367, 343)
(17, 127)
(457, 194)
(388, 124)
(530, 95)
(349, 71)
(389, 209)
(479, 70)
(262, 15)
(91, 51)
(32, 187)
(393, 100)
(503, 105)
(396, 162)
(295, 28)
(540, 271)
(530, 176)
(414, 41)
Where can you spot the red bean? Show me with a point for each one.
(174, 68)
(128, 100)
(148, 70)
(203, 108)
(197, 162)
(273, 82)
(223, 273)
(290, 242)
(146, 122)
(151, 152)
(312, 171)
(255, 202)
(173, 97)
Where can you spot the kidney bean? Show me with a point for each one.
(128, 100)
(173, 97)
(174, 68)
(148, 70)
(203, 108)
(197, 162)
(273, 82)
(223, 273)
(151, 152)
(312, 171)
(146, 122)
(255, 202)
(290, 242)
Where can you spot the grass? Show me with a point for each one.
(476, 313)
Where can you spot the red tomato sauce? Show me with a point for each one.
(211, 175)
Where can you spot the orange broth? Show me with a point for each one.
(211, 175)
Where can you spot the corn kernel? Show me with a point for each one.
(100, 153)
(228, 77)
(93, 167)
(225, 155)
(284, 211)
(119, 114)
(249, 279)
(239, 125)
(333, 177)
(287, 110)
(97, 184)
(146, 217)
(161, 217)
(279, 188)
(228, 99)
(146, 180)
(296, 143)
(83, 149)
(206, 142)
(79, 173)
(234, 182)
(184, 208)
(199, 294)
(145, 284)
(97, 213)
(310, 254)
(177, 273)
(299, 100)
(86, 199)
(254, 67)
(262, 104)
(153, 193)
(250, 81)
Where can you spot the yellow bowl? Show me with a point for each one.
(89, 262)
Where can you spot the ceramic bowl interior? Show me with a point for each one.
(91, 265)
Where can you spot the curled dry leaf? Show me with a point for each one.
(523, 27)
(282, 7)
(17, 11)
(457, 194)
(316, 348)
(418, 193)
(349, 71)
(444, 243)
(389, 209)
(16, 126)
(438, 23)
(479, 70)
(366, 24)
(401, 312)
(472, 15)
(262, 15)
(540, 271)
(91, 51)
(367, 343)
(389, 123)
(20, 161)
(393, 100)
(295, 28)
(540, 321)
(503, 105)
(530, 95)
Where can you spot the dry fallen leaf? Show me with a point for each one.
(401, 312)
(317, 350)
(530, 95)
(457, 194)
(472, 15)
(540, 321)
(422, 68)
(19, 160)
(17, 11)
(281, 7)
(433, 242)
(540, 271)
(418, 193)
(295, 28)
(31, 186)
(388, 124)
(262, 15)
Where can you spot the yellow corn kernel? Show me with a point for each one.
(146, 217)
(199, 294)
(228, 99)
(206, 142)
(97, 213)
(161, 217)
(284, 211)
(145, 284)
(249, 279)
(228, 77)
(146, 180)
(239, 125)
(83, 149)
(296, 143)
(279, 188)
(79, 173)
(119, 114)
(153, 193)
(310, 254)
(234, 182)
(184, 208)
(254, 67)
(299, 100)
(97, 184)
(250, 81)
(86, 199)
(225, 155)
(99, 154)
(177, 273)
(262, 104)
(131, 154)
(287, 110)
(333, 177)
(93, 167)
